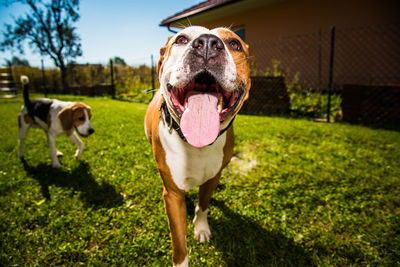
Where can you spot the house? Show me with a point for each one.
(296, 33)
(258, 19)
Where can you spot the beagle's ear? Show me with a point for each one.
(65, 116)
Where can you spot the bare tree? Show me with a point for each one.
(119, 61)
(16, 61)
(48, 29)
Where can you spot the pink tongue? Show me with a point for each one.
(200, 121)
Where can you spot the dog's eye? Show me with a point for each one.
(81, 118)
(235, 45)
(181, 40)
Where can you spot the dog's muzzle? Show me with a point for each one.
(203, 90)
(89, 132)
(208, 49)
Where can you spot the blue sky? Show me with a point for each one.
(125, 28)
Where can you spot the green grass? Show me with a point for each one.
(296, 193)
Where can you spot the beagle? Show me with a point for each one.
(54, 117)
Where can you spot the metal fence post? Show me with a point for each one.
(319, 58)
(44, 80)
(152, 75)
(328, 115)
(112, 79)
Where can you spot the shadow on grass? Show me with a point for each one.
(79, 179)
(245, 243)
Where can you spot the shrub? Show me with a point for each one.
(131, 83)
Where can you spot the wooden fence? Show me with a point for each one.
(268, 95)
(368, 104)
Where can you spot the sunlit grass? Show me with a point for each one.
(296, 193)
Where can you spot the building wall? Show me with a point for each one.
(297, 35)
(294, 17)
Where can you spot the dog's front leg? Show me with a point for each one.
(53, 151)
(201, 228)
(74, 138)
(175, 208)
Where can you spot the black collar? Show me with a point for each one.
(172, 124)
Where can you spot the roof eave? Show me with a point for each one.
(167, 22)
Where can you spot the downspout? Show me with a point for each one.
(171, 30)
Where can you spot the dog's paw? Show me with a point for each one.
(201, 229)
(203, 236)
(78, 154)
(59, 154)
(185, 262)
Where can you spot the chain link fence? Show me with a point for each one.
(291, 73)
(290, 76)
(117, 79)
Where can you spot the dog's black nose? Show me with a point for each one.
(208, 47)
(91, 130)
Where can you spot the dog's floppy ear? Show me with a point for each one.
(161, 59)
(163, 51)
(65, 116)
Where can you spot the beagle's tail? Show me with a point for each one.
(27, 101)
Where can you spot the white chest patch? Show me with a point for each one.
(191, 166)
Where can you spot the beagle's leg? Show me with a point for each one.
(74, 138)
(23, 130)
(53, 151)
(175, 207)
(201, 229)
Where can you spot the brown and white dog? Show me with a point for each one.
(204, 80)
(55, 117)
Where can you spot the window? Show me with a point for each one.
(240, 31)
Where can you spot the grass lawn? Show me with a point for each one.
(296, 193)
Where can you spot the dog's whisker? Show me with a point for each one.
(244, 60)
(190, 23)
(183, 26)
